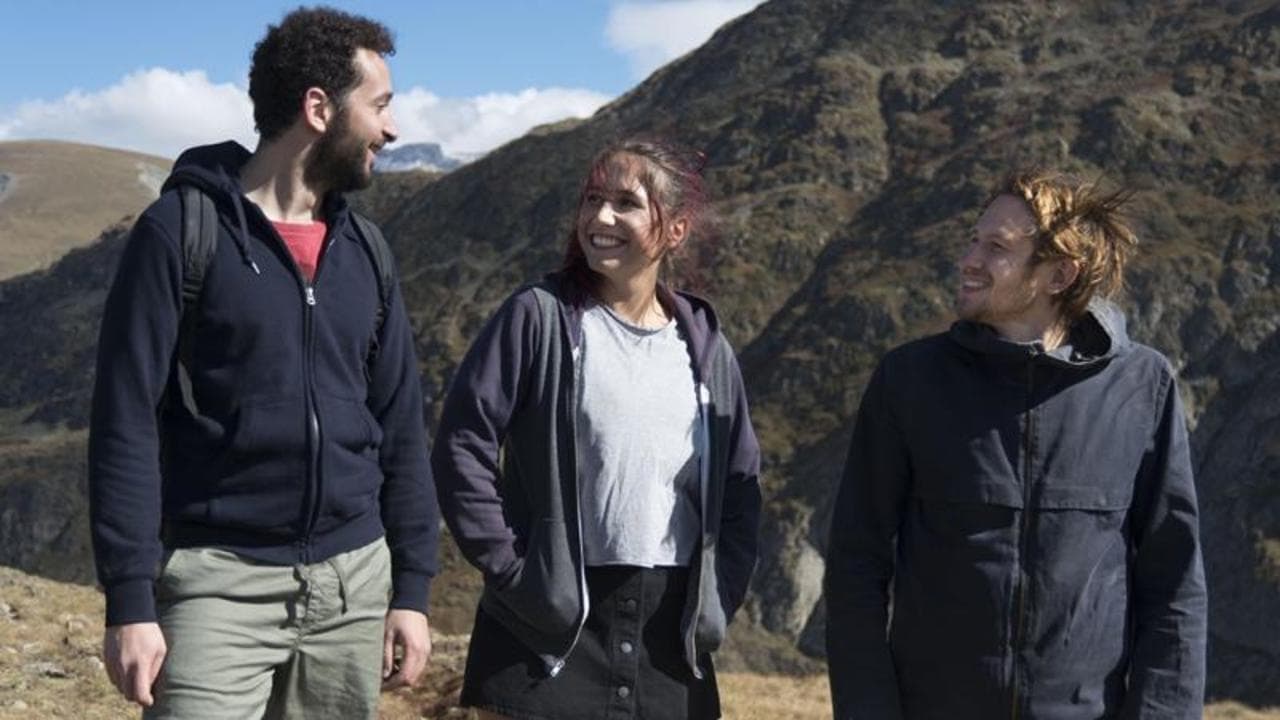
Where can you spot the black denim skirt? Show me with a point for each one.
(628, 663)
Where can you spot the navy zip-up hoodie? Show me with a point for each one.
(301, 433)
(512, 403)
(1036, 514)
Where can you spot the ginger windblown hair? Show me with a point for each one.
(1079, 222)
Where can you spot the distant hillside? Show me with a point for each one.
(850, 145)
(390, 192)
(58, 195)
(414, 156)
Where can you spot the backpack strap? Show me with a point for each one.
(199, 241)
(383, 263)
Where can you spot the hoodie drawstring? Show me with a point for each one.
(241, 242)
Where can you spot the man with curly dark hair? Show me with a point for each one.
(263, 515)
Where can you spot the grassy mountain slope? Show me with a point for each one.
(58, 195)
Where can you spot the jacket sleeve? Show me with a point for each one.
(482, 399)
(860, 562)
(135, 347)
(408, 501)
(737, 548)
(1167, 666)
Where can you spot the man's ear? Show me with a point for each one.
(317, 111)
(1064, 275)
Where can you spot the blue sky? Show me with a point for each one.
(157, 76)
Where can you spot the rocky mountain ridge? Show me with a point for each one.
(415, 156)
(850, 146)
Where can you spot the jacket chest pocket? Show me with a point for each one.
(1092, 467)
(978, 467)
(964, 490)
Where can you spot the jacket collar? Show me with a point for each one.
(694, 316)
(1098, 336)
(215, 170)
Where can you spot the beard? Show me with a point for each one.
(1004, 300)
(337, 163)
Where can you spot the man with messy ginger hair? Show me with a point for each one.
(263, 516)
(1024, 482)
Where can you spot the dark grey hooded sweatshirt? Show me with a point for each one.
(506, 472)
(1037, 516)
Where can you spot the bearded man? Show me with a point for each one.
(263, 516)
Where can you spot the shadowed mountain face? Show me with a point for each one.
(850, 146)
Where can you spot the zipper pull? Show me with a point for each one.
(311, 295)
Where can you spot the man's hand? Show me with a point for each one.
(406, 631)
(133, 655)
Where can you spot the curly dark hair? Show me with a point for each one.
(311, 47)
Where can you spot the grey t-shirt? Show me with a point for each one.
(638, 443)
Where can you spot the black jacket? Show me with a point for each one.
(302, 443)
(513, 398)
(1047, 562)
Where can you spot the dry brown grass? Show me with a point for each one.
(63, 195)
(746, 696)
(1236, 711)
(49, 668)
(50, 635)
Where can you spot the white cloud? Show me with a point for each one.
(162, 112)
(651, 34)
(156, 111)
(468, 126)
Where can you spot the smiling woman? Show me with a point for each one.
(641, 201)
(618, 536)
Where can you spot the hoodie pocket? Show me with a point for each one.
(352, 473)
(261, 484)
(544, 591)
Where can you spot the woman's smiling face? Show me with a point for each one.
(618, 224)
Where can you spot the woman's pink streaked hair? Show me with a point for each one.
(672, 178)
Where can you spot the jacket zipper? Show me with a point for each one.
(314, 431)
(554, 667)
(313, 425)
(312, 498)
(1028, 449)
(704, 483)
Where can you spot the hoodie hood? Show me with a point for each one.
(215, 171)
(1098, 336)
(699, 321)
(693, 314)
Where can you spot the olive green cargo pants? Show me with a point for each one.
(248, 640)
